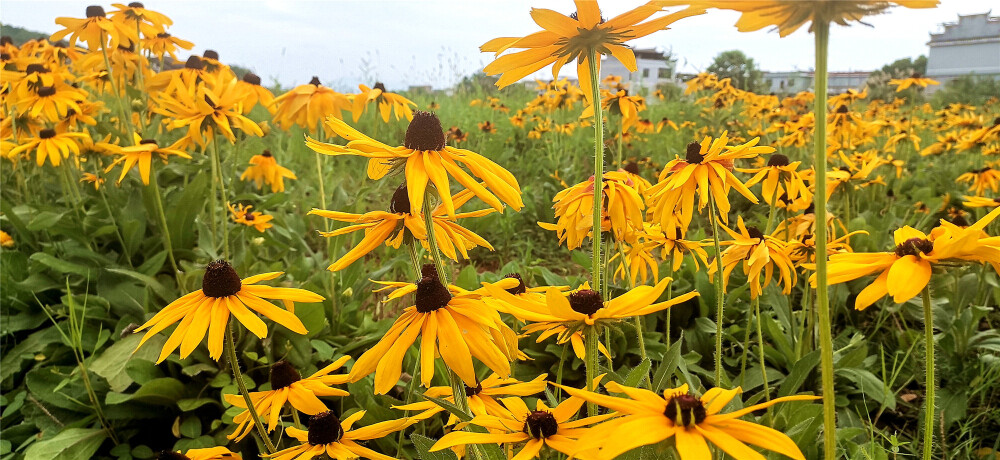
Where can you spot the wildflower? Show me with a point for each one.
(693, 423)
(211, 453)
(48, 144)
(163, 43)
(256, 219)
(758, 253)
(254, 93)
(487, 127)
(54, 102)
(328, 435)
(206, 111)
(482, 398)
(425, 157)
(6, 240)
(93, 179)
(208, 309)
(142, 154)
(673, 247)
(307, 105)
(622, 210)
(387, 103)
(287, 385)
(779, 177)
(454, 324)
(456, 135)
(537, 428)
(913, 80)
(264, 169)
(980, 202)
(380, 226)
(96, 30)
(980, 180)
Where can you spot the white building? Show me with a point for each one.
(652, 69)
(802, 80)
(969, 46)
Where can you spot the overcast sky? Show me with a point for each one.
(436, 42)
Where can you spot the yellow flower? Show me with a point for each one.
(135, 15)
(387, 103)
(6, 240)
(482, 398)
(536, 428)
(211, 453)
(425, 157)
(163, 44)
(380, 227)
(96, 30)
(565, 39)
(329, 435)
(205, 111)
(757, 253)
(622, 210)
(93, 179)
(913, 80)
(208, 309)
(980, 202)
(54, 102)
(264, 169)
(287, 385)
(254, 93)
(48, 144)
(674, 247)
(256, 219)
(454, 324)
(779, 177)
(693, 422)
(307, 105)
(980, 180)
(142, 154)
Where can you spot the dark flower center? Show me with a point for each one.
(248, 217)
(211, 54)
(811, 209)
(472, 391)
(694, 155)
(755, 233)
(251, 78)
(424, 132)
(379, 86)
(960, 221)
(283, 375)
(632, 167)
(36, 68)
(46, 91)
(685, 410)
(4, 56)
(130, 48)
(6, 40)
(431, 294)
(913, 247)
(520, 288)
(324, 428)
(162, 35)
(167, 455)
(916, 75)
(47, 134)
(136, 5)
(541, 424)
(194, 62)
(586, 301)
(777, 160)
(266, 153)
(95, 11)
(400, 203)
(315, 81)
(220, 280)
(842, 109)
(148, 141)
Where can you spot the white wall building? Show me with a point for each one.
(652, 69)
(802, 80)
(969, 46)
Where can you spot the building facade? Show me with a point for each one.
(653, 68)
(969, 46)
(802, 80)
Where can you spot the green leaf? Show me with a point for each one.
(149, 281)
(163, 391)
(111, 364)
(60, 265)
(638, 373)
(424, 444)
(69, 444)
(800, 371)
(44, 221)
(188, 405)
(870, 385)
(453, 409)
(191, 427)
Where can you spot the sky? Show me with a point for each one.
(436, 42)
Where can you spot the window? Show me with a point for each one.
(791, 82)
(663, 72)
(645, 73)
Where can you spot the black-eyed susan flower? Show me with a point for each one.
(222, 294)
(163, 44)
(385, 101)
(206, 111)
(906, 270)
(482, 398)
(288, 386)
(982, 179)
(393, 228)
(210, 453)
(97, 30)
(264, 169)
(757, 254)
(49, 144)
(779, 177)
(980, 201)
(141, 153)
(544, 426)
(487, 127)
(53, 102)
(913, 80)
(424, 157)
(565, 39)
(93, 179)
(693, 422)
(622, 209)
(241, 214)
(338, 439)
(135, 15)
(306, 106)
(452, 323)
(673, 247)
(706, 171)
(254, 93)
(6, 240)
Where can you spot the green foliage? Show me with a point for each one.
(744, 72)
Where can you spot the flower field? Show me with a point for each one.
(196, 265)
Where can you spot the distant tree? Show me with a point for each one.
(20, 35)
(743, 71)
(878, 81)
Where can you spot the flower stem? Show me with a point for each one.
(822, 31)
(595, 236)
(234, 363)
(720, 300)
(167, 245)
(760, 345)
(929, 402)
(559, 371)
(432, 241)
(591, 336)
(217, 166)
(639, 330)
(126, 119)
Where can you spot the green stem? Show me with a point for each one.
(822, 30)
(126, 119)
(410, 389)
(720, 300)
(929, 402)
(760, 345)
(414, 258)
(234, 363)
(432, 241)
(639, 330)
(211, 204)
(295, 418)
(595, 236)
(217, 165)
(158, 201)
(670, 295)
(591, 336)
(559, 371)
